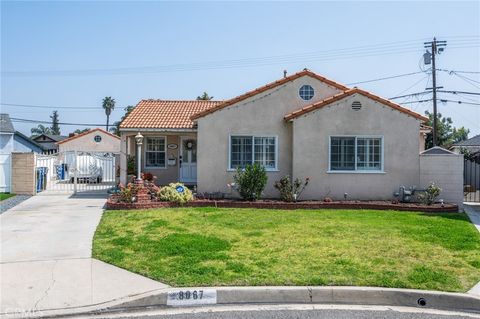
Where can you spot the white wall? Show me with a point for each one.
(446, 171)
(6, 148)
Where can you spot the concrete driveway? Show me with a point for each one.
(45, 258)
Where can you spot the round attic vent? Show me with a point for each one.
(356, 105)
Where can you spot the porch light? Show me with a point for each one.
(139, 140)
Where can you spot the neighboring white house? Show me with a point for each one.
(12, 141)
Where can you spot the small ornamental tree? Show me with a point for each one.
(290, 190)
(430, 194)
(251, 181)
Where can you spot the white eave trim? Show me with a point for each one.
(157, 129)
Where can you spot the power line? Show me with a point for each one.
(468, 80)
(443, 101)
(346, 53)
(52, 107)
(456, 71)
(413, 85)
(20, 120)
(386, 78)
(459, 92)
(459, 102)
(406, 95)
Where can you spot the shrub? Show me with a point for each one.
(175, 192)
(130, 164)
(251, 181)
(127, 193)
(430, 194)
(290, 190)
(148, 177)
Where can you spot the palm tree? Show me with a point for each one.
(40, 129)
(108, 105)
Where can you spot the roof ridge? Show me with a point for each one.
(340, 96)
(177, 100)
(85, 133)
(267, 87)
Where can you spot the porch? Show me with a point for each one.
(170, 156)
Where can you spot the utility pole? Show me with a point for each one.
(436, 47)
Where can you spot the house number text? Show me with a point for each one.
(187, 297)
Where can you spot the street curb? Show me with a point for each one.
(370, 296)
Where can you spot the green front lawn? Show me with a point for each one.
(4, 196)
(211, 247)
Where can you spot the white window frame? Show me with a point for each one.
(145, 152)
(253, 136)
(357, 171)
(300, 96)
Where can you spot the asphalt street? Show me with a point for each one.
(294, 311)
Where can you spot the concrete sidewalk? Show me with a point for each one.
(473, 212)
(45, 257)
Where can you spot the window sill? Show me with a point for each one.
(356, 172)
(154, 167)
(267, 170)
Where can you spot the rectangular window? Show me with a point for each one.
(355, 153)
(342, 154)
(253, 149)
(155, 152)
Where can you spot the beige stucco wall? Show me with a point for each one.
(311, 149)
(86, 142)
(447, 172)
(23, 173)
(258, 115)
(167, 175)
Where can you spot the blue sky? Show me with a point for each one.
(72, 54)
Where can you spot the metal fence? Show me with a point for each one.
(75, 172)
(471, 179)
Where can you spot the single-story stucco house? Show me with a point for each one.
(471, 145)
(347, 140)
(94, 140)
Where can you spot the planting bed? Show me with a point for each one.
(113, 204)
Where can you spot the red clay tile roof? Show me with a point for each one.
(85, 133)
(268, 87)
(349, 92)
(166, 114)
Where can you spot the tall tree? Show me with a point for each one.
(108, 105)
(446, 133)
(79, 131)
(55, 126)
(40, 129)
(204, 97)
(115, 129)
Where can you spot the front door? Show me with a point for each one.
(188, 160)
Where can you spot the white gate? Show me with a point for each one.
(75, 171)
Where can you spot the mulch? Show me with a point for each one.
(276, 204)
